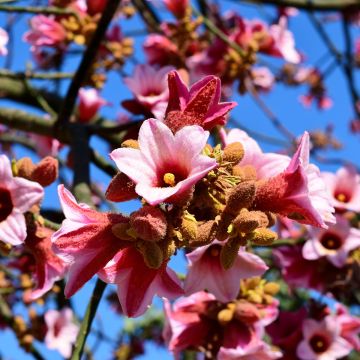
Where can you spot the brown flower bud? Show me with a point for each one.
(121, 188)
(46, 172)
(122, 231)
(233, 153)
(245, 173)
(240, 196)
(229, 253)
(263, 237)
(152, 254)
(189, 228)
(246, 312)
(206, 232)
(130, 143)
(25, 168)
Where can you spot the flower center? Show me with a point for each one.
(331, 241)
(6, 205)
(169, 179)
(214, 251)
(342, 197)
(319, 343)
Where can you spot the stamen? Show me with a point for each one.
(341, 197)
(169, 179)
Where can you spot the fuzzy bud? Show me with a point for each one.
(121, 188)
(152, 254)
(122, 231)
(229, 253)
(248, 221)
(263, 237)
(233, 153)
(131, 144)
(271, 288)
(189, 228)
(240, 196)
(149, 223)
(246, 312)
(206, 232)
(25, 168)
(245, 173)
(46, 172)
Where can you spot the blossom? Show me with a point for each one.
(322, 340)
(198, 105)
(17, 195)
(61, 331)
(46, 145)
(45, 31)
(344, 188)
(335, 243)
(4, 39)
(150, 89)
(89, 104)
(85, 240)
(160, 50)
(166, 165)
(298, 192)
(49, 267)
(137, 284)
(206, 271)
(262, 78)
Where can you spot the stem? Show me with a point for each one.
(47, 10)
(88, 319)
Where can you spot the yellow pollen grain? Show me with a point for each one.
(169, 179)
(341, 197)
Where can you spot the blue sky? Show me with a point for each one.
(283, 101)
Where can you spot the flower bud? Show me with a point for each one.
(206, 232)
(152, 254)
(240, 196)
(271, 288)
(189, 228)
(246, 312)
(121, 188)
(233, 153)
(245, 173)
(149, 223)
(25, 168)
(46, 172)
(263, 237)
(122, 231)
(226, 315)
(229, 253)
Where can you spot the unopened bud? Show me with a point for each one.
(233, 153)
(131, 144)
(240, 196)
(263, 237)
(121, 188)
(229, 253)
(206, 232)
(152, 254)
(122, 231)
(189, 228)
(271, 288)
(46, 172)
(149, 223)
(246, 312)
(245, 173)
(25, 168)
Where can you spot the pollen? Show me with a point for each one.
(341, 197)
(169, 179)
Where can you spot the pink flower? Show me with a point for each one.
(344, 188)
(185, 327)
(160, 50)
(177, 7)
(4, 39)
(85, 240)
(61, 331)
(198, 105)
(322, 340)
(17, 195)
(335, 243)
(49, 267)
(89, 104)
(137, 284)
(46, 145)
(283, 42)
(206, 271)
(262, 78)
(298, 192)
(166, 165)
(323, 101)
(45, 31)
(150, 89)
(350, 326)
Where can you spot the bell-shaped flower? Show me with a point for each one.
(299, 192)
(85, 241)
(344, 188)
(89, 104)
(335, 242)
(61, 331)
(166, 166)
(198, 105)
(17, 195)
(149, 87)
(207, 272)
(49, 267)
(137, 284)
(322, 340)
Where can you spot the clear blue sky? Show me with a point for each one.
(283, 102)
